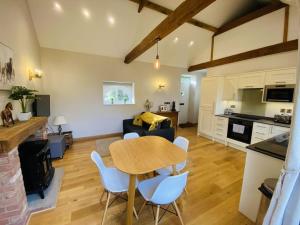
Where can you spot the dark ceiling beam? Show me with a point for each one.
(166, 11)
(269, 50)
(141, 5)
(184, 12)
(251, 16)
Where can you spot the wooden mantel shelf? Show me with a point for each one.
(10, 137)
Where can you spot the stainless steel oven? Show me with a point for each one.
(279, 93)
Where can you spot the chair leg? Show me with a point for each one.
(178, 212)
(104, 191)
(157, 215)
(135, 213)
(145, 202)
(185, 190)
(106, 207)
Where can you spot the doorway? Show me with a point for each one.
(189, 100)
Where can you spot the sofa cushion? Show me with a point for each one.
(137, 129)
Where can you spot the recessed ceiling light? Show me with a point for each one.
(175, 39)
(57, 7)
(191, 43)
(111, 20)
(86, 13)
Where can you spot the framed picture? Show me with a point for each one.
(163, 108)
(7, 70)
(118, 93)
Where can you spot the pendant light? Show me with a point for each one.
(157, 62)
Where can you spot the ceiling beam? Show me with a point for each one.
(141, 5)
(269, 50)
(184, 12)
(251, 16)
(166, 11)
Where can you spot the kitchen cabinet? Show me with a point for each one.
(276, 130)
(282, 76)
(263, 132)
(220, 129)
(209, 91)
(230, 92)
(252, 80)
(210, 104)
(205, 123)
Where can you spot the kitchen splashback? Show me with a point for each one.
(251, 102)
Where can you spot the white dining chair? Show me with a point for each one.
(114, 181)
(131, 135)
(163, 190)
(182, 143)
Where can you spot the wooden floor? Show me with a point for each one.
(214, 186)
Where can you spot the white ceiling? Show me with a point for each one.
(70, 30)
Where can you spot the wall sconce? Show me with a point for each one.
(37, 73)
(161, 86)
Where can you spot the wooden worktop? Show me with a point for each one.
(10, 137)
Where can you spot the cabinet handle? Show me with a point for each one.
(280, 82)
(249, 86)
(260, 133)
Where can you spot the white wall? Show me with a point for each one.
(74, 82)
(261, 32)
(18, 33)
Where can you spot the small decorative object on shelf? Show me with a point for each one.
(59, 121)
(163, 108)
(24, 96)
(6, 115)
(173, 106)
(148, 105)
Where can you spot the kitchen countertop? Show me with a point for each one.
(257, 119)
(275, 147)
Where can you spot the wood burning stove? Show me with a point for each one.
(36, 166)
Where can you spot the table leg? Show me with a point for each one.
(131, 195)
(174, 170)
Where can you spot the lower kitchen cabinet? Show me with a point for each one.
(220, 128)
(205, 123)
(263, 132)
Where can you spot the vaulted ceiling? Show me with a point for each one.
(113, 27)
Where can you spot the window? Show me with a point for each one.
(118, 93)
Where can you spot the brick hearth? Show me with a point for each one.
(13, 202)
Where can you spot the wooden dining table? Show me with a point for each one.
(141, 156)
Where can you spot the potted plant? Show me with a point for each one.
(24, 96)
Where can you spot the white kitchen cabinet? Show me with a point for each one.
(281, 76)
(252, 80)
(277, 130)
(230, 92)
(260, 132)
(209, 91)
(220, 129)
(263, 132)
(205, 123)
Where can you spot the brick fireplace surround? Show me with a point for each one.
(13, 209)
(13, 202)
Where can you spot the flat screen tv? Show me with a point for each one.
(41, 106)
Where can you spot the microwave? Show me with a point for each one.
(279, 93)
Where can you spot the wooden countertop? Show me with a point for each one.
(10, 137)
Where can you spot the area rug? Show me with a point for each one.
(102, 145)
(36, 204)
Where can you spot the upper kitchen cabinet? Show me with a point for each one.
(252, 80)
(231, 86)
(281, 76)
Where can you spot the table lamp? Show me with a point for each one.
(58, 121)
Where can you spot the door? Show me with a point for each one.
(185, 83)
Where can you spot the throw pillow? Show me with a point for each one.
(138, 121)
